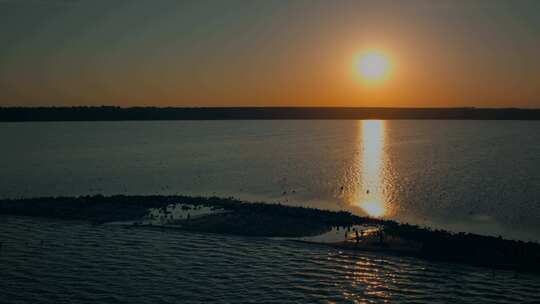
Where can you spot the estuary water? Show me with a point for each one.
(473, 176)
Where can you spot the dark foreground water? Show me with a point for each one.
(80, 263)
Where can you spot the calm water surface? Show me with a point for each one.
(478, 176)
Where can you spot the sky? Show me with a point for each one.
(481, 53)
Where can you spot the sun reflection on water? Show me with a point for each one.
(371, 197)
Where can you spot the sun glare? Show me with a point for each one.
(373, 66)
(374, 208)
(372, 199)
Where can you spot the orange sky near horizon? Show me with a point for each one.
(269, 53)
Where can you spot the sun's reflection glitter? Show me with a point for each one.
(370, 196)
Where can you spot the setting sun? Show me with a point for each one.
(373, 66)
(373, 208)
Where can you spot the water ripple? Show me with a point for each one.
(80, 263)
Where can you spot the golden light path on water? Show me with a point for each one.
(371, 199)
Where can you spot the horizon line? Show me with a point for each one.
(263, 107)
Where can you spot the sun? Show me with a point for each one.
(373, 66)
(373, 208)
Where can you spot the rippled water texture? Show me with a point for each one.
(79, 263)
(479, 176)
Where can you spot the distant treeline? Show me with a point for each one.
(108, 113)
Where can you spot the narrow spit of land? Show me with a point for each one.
(275, 220)
(109, 113)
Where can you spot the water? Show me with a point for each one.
(475, 176)
(80, 263)
(478, 176)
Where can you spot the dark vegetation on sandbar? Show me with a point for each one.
(109, 113)
(260, 219)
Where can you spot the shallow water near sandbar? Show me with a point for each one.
(81, 263)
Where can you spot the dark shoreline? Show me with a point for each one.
(261, 219)
(111, 113)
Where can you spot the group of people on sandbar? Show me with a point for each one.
(359, 235)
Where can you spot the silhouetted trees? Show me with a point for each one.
(109, 113)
